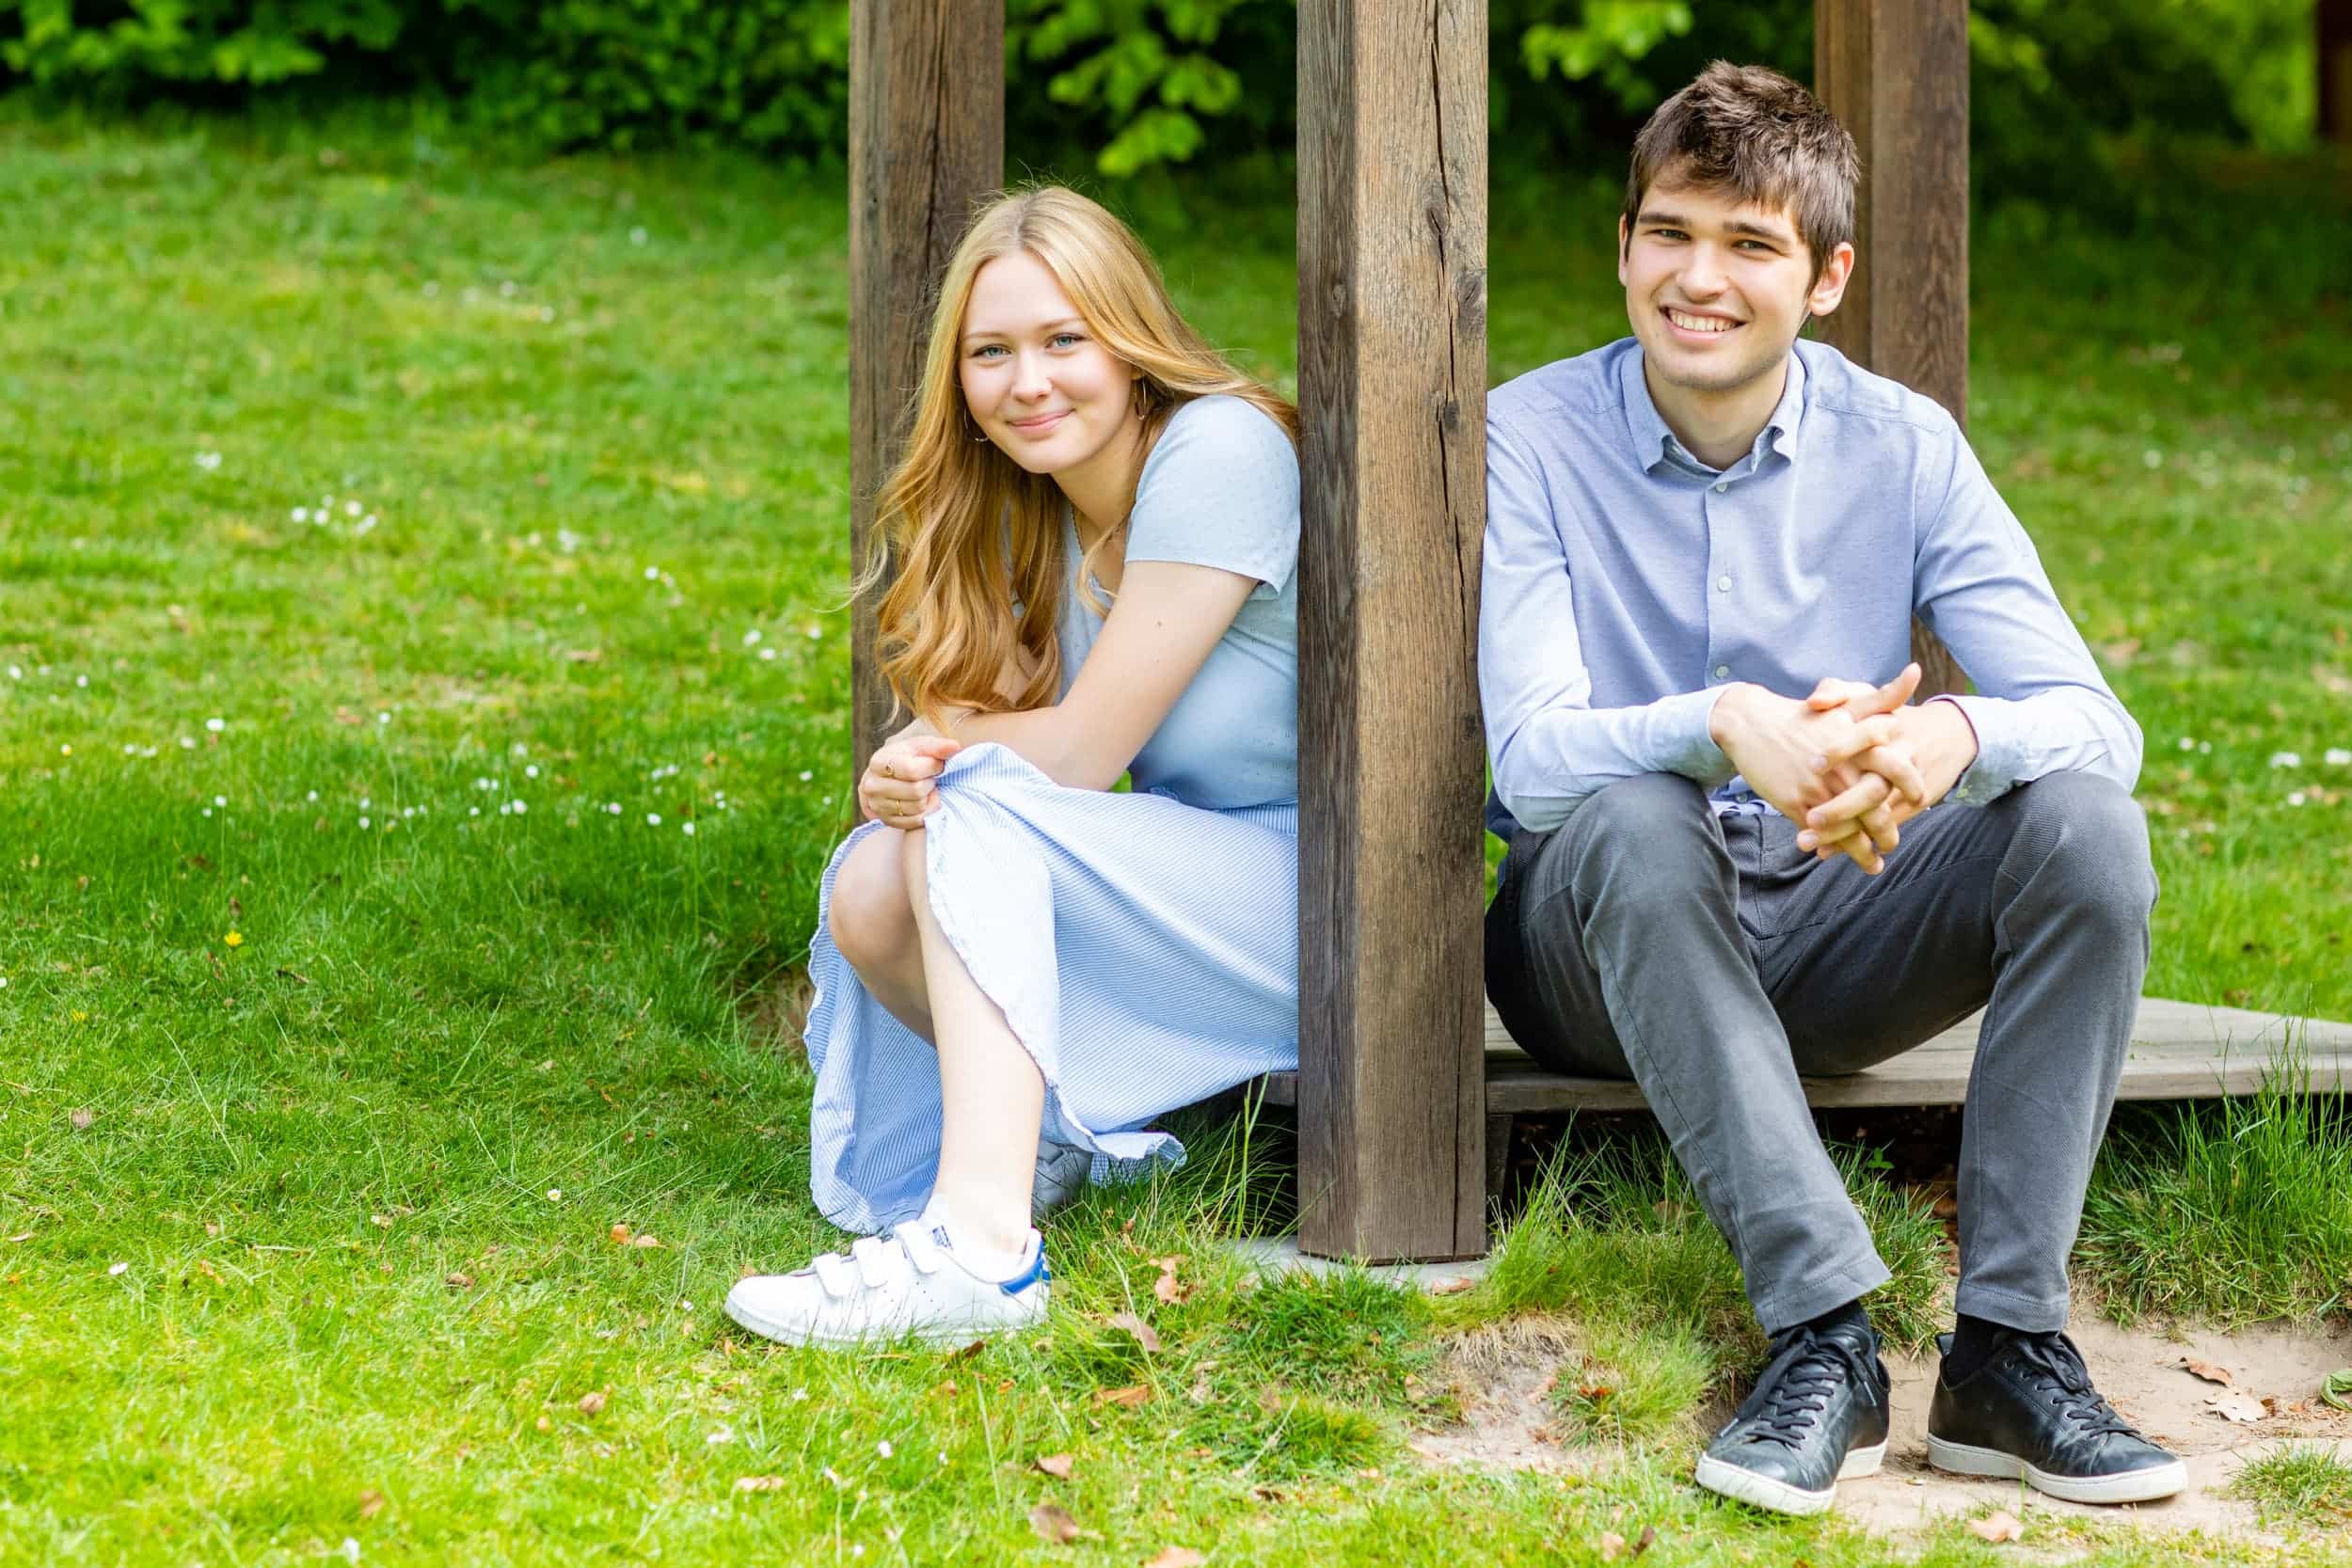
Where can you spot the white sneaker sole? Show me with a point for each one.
(2132, 1486)
(1730, 1480)
(936, 1334)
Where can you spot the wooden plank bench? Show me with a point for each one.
(2180, 1051)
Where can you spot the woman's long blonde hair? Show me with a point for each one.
(975, 535)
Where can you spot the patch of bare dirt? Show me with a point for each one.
(1501, 1379)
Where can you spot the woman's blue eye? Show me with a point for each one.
(1067, 338)
(987, 349)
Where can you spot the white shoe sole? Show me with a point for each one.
(2132, 1486)
(1730, 1480)
(926, 1333)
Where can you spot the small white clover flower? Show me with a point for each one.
(614, 807)
(220, 800)
(81, 680)
(751, 637)
(351, 509)
(653, 574)
(215, 725)
(473, 811)
(311, 796)
(637, 236)
(882, 1448)
(2338, 757)
(653, 819)
(365, 802)
(301, 513)
(815, 632)
(555, 1194)
(363, 822)
(16, 672)
(2286, 759)
(689, 830)
(530, 772)
(519, 807)
(2295, 797)
(383, 718)
(767, 653)
(2186, 744)
(208, 810)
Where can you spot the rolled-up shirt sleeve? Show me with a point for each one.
(1550, 748)
(2041, 706)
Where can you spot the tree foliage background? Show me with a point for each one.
(1125, 86)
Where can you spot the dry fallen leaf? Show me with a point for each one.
(1452, 1285)
(1611, 1545)
(81, 1118)
(592, 1403)
(648, 1240)
(460, 1282)
(619, 1234)
(1997, 1528)
(2205, 1370)
(1054, 1524)
(2242, 1408)
(1145, 1334)
(760, 1483)
(1058, 1466)
(1168, 1289)
(371, 1503)
(1649, 1537)
(1131, 1398)
(1176, 1557)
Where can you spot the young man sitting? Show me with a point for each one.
(1705, 547)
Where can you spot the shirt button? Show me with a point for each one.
(1723, 672)
(1722, 585)
(1721, 489)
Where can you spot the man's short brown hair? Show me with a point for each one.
(1754, 133)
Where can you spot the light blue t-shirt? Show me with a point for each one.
(1220, 489)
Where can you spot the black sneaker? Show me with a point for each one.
(2031, 1412)
(1817, 1415)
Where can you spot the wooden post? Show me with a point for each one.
(1896, 73)
(2333, 19)
(1391, 376)
(927, 138)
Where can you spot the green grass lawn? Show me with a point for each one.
(422, 727)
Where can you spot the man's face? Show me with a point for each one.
(1717, 288)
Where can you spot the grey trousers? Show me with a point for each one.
(1713, 961)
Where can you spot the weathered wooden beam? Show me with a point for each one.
(927, 138)
(1896, 73)
(2333, 20)
(1392, 376)
(2180, 1051)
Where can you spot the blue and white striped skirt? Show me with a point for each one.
(1144, 951)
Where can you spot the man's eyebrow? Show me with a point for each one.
(1655, 218)
(979, 332)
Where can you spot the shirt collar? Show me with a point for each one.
(1654, 443)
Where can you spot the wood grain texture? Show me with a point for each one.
(926, 141)
(1896, 74)
(2180, 1051)
(1393, 375)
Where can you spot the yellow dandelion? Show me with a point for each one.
(80, 1017)
(233, 940)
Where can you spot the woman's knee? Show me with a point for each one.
(870, 916)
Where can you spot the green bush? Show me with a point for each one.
(1126, 85)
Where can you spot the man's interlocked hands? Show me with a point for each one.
(1851, 763)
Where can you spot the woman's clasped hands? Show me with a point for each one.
(900, 787)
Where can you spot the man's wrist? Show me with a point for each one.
(1729, 714)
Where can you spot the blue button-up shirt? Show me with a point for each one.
(1627, 583)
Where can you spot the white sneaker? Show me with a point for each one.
(1062, 1172)
(902, 1285)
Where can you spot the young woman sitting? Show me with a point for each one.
(1096, 532)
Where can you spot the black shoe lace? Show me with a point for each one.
(1797, 1382)
(2056, 1369)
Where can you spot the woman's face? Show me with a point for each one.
(1037, 381)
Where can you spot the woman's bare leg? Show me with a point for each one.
(992, 1097)
(873, 925)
